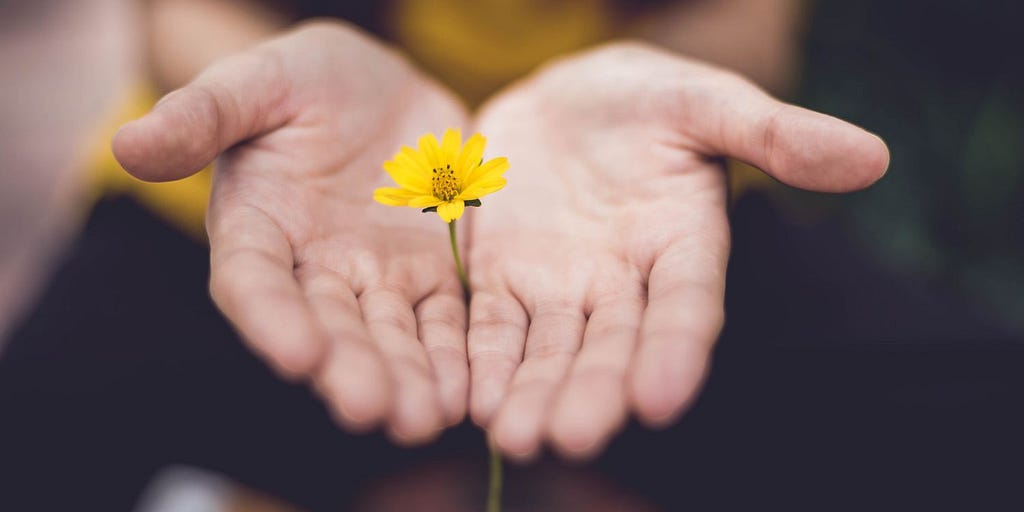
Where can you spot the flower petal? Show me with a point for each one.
(424, 201)
(482, 188)
(450, 144)
(430, 149)
(393, 196)
(492, 168)
(418, 157)
(470, 156)
(407, 176)
(451, 210)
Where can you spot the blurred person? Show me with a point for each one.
(65, 65)
(330, 288)
(770, 64)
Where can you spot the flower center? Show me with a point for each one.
(446, 187)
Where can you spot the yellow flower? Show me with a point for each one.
(445, 178)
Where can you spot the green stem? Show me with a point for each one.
(458, 261)
(494, 492)
(494, 489)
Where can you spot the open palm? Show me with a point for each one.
(599, 273)
(318, 278)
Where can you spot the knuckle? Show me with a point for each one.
(449, 351)
(558, 306)
(321, 282)
(539, 384)
(393, 316)
(486, 316)
(222, 287)
(601, 372)
(388, 307)
(444, 313)
(412, 366)
(447, 321)
(552, 348)
(493, 355)
(616, 332)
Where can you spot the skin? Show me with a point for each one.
(358, 298)
(599, 272)
(180, 38)
(65, 65)
(597, 275)
(760, 38)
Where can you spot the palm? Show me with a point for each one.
(599, 273)
(322, 281)
(597, 276)
(593, 202)
(360, 266)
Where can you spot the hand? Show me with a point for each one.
(320, 280)
(598, 274)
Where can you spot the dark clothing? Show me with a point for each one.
(126, 367)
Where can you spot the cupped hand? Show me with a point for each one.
(321, 281)
(598, 274)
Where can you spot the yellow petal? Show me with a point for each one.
(393, 196)
(470, 156)
(424, 201)
(413, 161)
(482, 188)
(429, 148)
(492, 168)
(418, 157)
(450, 144)
(451, 210)
(407, 177)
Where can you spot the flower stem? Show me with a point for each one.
(458, 261)
(494, 489)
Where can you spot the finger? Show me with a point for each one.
(592, 403)
(416, 411)
(733, 117)
(497, 335)
(554, 337)
(233, 100)
(252, 283)
(682, 320)
(353, 379)
(442, 327)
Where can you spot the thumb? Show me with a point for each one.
(235, 99)
(797, 146)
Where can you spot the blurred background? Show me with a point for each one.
(873, 350)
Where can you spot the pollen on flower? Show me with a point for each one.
(445, 185)
(444, 178)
